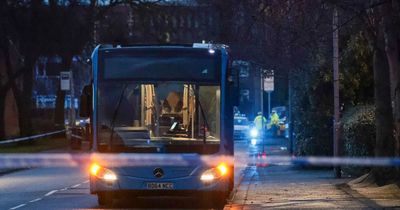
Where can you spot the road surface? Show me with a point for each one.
(68, 188)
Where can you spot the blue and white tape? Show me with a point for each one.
(124, 159)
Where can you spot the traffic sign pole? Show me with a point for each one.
(262, 111)
(269, 102)
(267, 84)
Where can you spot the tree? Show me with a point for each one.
(390, 27)
(42, 28)
(379, 24)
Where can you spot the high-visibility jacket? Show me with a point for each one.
(274, 119)
(258, 122)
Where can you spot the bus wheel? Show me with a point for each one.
(215, 200)
(219, 200)
(231, 180)
(105, 199)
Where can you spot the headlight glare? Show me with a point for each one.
(102, 173)
(254, 133)
(94, 168)
(207, 176)
(222, 169)
(214, 173)
(109, 176)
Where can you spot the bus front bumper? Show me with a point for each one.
(186, 186)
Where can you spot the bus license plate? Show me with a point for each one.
(160, 186)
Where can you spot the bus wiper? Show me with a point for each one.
(115, 114)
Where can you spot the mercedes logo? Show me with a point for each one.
(158, 172)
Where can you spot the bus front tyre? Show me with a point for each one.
(105, 198)
(215, 200)
(231, 180)
(219, 200)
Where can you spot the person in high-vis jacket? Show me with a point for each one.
(274, 124)
(260, 121)
(274, 118)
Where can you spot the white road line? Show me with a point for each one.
(63, 189)
(34, 200)
(77, 185)
(87, 181)
(16, 207)
(51, 192)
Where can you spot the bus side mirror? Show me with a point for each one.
(85, 102)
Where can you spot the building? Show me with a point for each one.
(177, 23)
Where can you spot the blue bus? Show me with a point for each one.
(161, 101)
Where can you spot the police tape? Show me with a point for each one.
(27, 138)
(145, 159)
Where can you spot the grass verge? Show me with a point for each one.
(38, 145)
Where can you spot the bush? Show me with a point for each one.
(312, 111)
(313, 135)
(358, 135)
(359, 131)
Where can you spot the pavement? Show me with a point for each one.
(282, 186)
(258, 186)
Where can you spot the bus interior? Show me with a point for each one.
(163, 116)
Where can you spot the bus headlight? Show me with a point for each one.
(214, 173)
(254, 132)
(102, 173)
(253, 142)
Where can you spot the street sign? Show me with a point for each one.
(65, 80)
(269, 83)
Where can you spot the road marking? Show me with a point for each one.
(75, 186)
(63, 189)
(51, 192)
(19, 206)
(87, 181)
(37, 199)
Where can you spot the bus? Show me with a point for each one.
(161, 101)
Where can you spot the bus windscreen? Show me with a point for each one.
(161, 68)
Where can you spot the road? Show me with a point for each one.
(42, 188)
(257, 187)
(68, 188)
